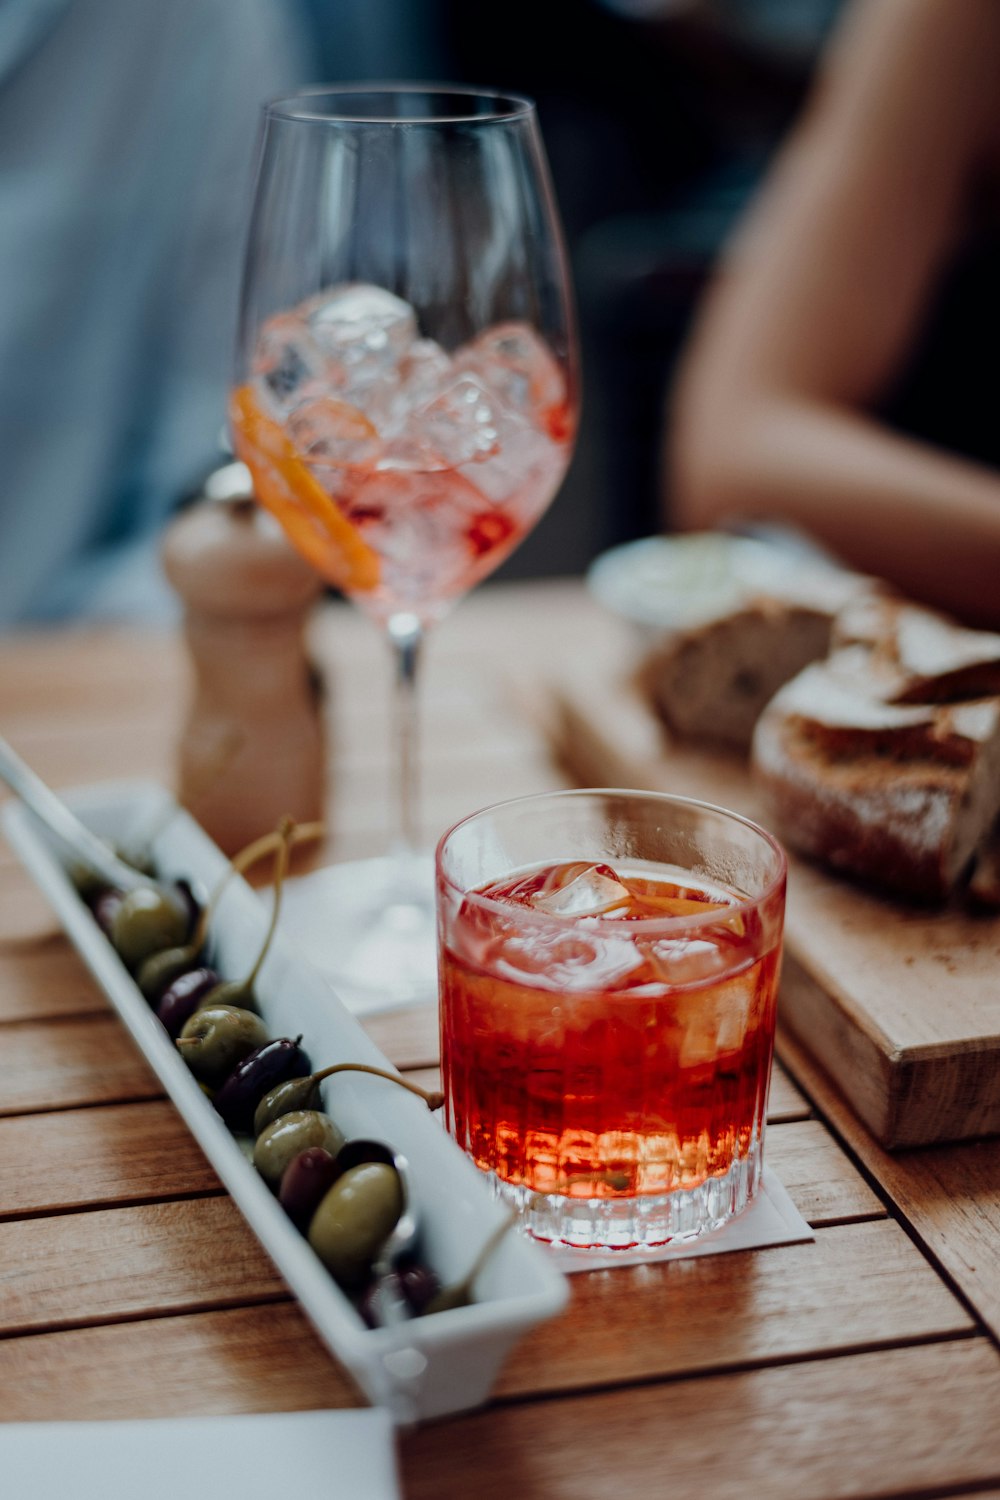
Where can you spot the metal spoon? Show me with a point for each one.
(387, 1302)
(84, 845)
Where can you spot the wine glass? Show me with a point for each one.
(406, 399)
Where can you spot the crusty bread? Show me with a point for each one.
(883, 760)
(917, 655)
(709, 682)
(984, 882)
(900, 796)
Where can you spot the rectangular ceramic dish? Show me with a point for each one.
(425, 1368)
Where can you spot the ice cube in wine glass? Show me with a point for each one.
(287, 367)
(417, 521)
(595, 892)
(424, 369)
(524, 468)
(363, 332)
(459, 422)
(328, 431)
(516, 364)
(503, 455)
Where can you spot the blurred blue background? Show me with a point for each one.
(127, 131)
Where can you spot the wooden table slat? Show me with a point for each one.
(59, 1064)
(106, 1264)
(49, 980)
(103, 1155)
(824, 1186)
(902, 1422)
(246, 1359)
(949, 1195)
(856, 1286)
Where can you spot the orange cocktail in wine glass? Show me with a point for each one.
(406, 394)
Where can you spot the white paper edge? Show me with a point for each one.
(350, 1452)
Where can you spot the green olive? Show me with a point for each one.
(215, 1039)
(232, 992)
(353, 1220)
(158, 972)
(87, 882)
(245, 1143)
(294, 1093)
(146, 922)
(290, 1134)
(141, 861)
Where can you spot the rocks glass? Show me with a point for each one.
(608, 972)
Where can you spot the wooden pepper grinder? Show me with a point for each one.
(252, 750)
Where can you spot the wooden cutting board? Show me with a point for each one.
(901, 1006)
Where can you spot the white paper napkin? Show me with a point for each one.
(771, 1219)
(325, 917)
(327, 1455)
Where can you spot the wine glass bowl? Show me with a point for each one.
(406, 392)
(406, 397)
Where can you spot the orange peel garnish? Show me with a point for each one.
(681, 906)
(285, 485)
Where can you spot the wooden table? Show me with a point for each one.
(863, 1364)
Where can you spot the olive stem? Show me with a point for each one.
(286, 832)
(460, 1292)
(433, 1098)
(503, 1228)
(241, 863)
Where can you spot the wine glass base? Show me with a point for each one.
(368, 926)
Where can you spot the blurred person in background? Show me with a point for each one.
(127, 133)
(842, 376)
(659, 119)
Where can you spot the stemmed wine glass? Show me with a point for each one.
(406, 399)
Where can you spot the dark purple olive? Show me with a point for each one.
(181, 999)
(417, 1283)
(305, 1181)
(104, 906)
(368, 1302)
(187, 895)
(405, 1292)
(159, 971)
(250, 1080)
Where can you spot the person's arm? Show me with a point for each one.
(820, 301)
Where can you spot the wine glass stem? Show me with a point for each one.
(406, 635)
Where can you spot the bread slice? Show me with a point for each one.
(917, 655)
(984, 883)
(898, 794)
(709, 682)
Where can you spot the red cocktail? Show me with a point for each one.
(608, 1017)
(404, 473)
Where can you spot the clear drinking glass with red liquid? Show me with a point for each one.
(608, 977)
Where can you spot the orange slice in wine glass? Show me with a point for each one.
(285, 485)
